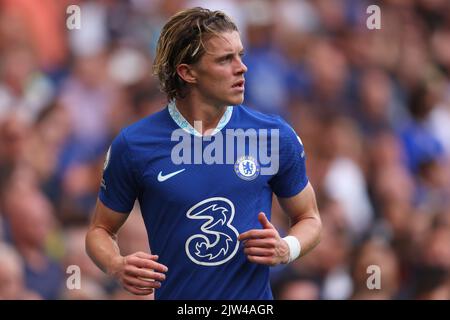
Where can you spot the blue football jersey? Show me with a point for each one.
(197, 194)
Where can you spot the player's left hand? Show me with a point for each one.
(265, 246)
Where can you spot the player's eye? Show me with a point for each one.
(225, 59)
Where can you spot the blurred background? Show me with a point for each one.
(371, 106)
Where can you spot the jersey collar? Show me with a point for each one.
(186, 126)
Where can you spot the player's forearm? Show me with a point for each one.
(102, 248)
(307, 230)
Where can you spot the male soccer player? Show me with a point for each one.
(203, 170)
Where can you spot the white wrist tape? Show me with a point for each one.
(294, 247)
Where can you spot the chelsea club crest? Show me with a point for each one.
(247, 168)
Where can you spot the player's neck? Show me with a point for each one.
(197, 110)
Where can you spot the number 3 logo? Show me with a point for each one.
(216, 243)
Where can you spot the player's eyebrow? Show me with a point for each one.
(229, 54)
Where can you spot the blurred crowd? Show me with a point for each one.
(371, 106)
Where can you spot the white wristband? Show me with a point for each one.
(294, 247)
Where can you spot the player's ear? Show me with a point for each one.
(187, 73)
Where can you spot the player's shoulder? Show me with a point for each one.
(262, 120)
(149, 130)
(145, 133)
(146, 125)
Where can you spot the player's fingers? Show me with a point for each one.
(260, 243)
(261, 252)
(269, 261)
(140, 283)
(264, 221)
(145, 255)
(145, 263)
(149, 274)
(134, 271)
(257, 234)
(137, 291)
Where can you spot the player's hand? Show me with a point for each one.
(139, 273)
(265, 246)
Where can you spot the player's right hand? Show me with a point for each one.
(139, 273)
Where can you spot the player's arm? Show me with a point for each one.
(102, 247)
(265, 246)
(305, 222)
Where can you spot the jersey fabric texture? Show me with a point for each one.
(194, 212)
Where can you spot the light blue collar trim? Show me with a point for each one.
(186, 126)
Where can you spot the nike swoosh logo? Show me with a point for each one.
(162, 177)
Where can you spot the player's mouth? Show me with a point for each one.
(239, 85)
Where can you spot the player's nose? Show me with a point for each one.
(242, 67)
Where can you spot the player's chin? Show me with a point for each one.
(236, 99)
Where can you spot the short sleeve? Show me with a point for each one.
(291, 177)
(119, 186)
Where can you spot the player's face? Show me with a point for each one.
(220, 71)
